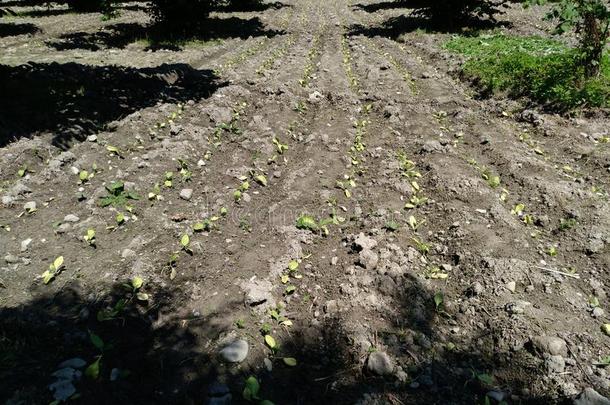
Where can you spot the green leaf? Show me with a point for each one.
(198, 227)
(93, 371)
(83, 175)
(485, 379)
(58, 262)
(96, 340)
(120, 218)
(251, 389)
(270, 341)
(47, 276)
(307, 222)
(289, 361)
(290, 289)
(606, 328)
(438, 299)
(261, 179)
(142, 296)
(137, 282)
(185, 241)
(293, 265)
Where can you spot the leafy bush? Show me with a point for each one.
(543, 70)
(453, 12)
(590, 19)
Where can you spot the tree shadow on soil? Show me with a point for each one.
(158, 352)
(73, 100)
(150, 350)
(123, 34)
(389, 5)
(13, 29)
(276, 5)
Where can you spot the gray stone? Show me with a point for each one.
(235, 352)
(25, 244)
(555, 364)
(591, 397)
(7, 200)
(380, 363)
(71, 218)
(128, 253)
(11, 259)
(477, 288)
(597, 312)
(368, 259)
(258, 292)
(517, 307)
(550, 345)
(75, 362)
(511, 286)
(30, 206)
(364, 242)
(186, 194)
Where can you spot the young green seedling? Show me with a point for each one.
(185, 242)
(90, 237)
(54, 270)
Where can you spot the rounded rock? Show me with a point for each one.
(380, 363)
(235, 352)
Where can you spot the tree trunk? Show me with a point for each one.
(593, 45)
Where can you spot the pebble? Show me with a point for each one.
(10, 259)
(268, 364)
(25, 244)
(128, 253)
(380, 363)
(498, 396)
(591, 397)
(511, 286)
(550, 345)
(368, 259)
(364, 242)
(477, 288)
(555, 364)
(7, 200)
(30, 206)
(517, 307)
(235, 352)
(71, 218)
(186, 194)
(597, 312)
(92, 138)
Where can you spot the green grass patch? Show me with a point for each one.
(544, 70)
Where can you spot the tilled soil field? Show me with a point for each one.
(310, 197)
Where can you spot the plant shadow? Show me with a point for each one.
(12, 29)
(73, 100)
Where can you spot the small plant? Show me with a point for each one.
(567, 224)
(280, 147)
(90, 237)
(117, 196)
(185, 244)
(307, 222)
(392, 226)
(422, 247)
(438, 300)
(54, 270)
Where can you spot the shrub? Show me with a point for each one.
(455, 12)
(590, 19)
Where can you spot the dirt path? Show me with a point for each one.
(460, 247)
